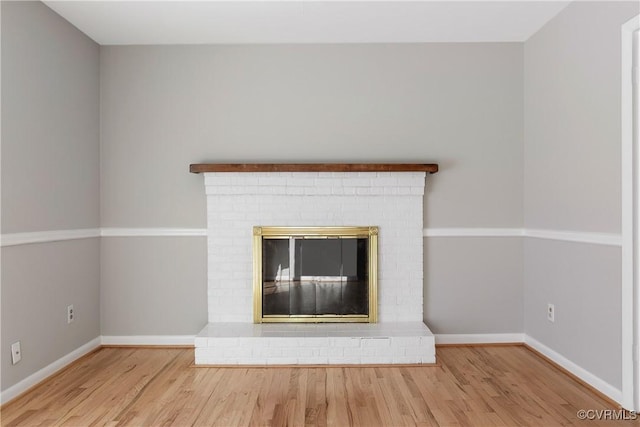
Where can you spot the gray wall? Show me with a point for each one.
(572, 182)
(38, 282)
(50, 181)
(473, 285)
(164, 107)
(153, 285)
(50, 122)
(583, 282)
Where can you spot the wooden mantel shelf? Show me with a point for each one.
(313, 167)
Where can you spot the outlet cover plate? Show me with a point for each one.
(551, 312)
(16, 353)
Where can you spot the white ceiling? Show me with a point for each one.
(111, 22)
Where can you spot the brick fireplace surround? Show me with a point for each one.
(238, 201)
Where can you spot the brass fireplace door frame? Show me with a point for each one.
(315, 233)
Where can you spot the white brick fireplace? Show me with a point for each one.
(238, 201)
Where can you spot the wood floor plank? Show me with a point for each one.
(315, 403)
(471, 386)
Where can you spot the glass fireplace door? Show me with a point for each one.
(314, 277)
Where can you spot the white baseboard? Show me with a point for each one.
(160, 340)
(44, 373)
(586, 376)
(479, 338)
(148, 340)
(33, 379)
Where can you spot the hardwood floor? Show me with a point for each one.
(472, 386)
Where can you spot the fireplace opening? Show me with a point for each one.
(315, 274)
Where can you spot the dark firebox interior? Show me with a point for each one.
(303, 276)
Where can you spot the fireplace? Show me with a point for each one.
(315, 208)
(315, 274)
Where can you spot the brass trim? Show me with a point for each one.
(325, 232)
(257, 275)
(260, 233)
(315, 319)
(327, 316)
(373, 274)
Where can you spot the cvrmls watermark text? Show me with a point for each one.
(606, 414)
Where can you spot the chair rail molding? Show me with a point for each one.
(14, 239)
(153, 232)
(608, 239)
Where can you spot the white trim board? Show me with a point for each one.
(607, 239)
(49, 370)
(586, 376)
(473, 232)
(159, 340)
(479, 338)
(153, 232)
(13, 239)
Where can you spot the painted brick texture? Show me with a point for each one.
(236, 202)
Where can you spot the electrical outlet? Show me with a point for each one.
(551, 312)
(16, 354)
(71, 316)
